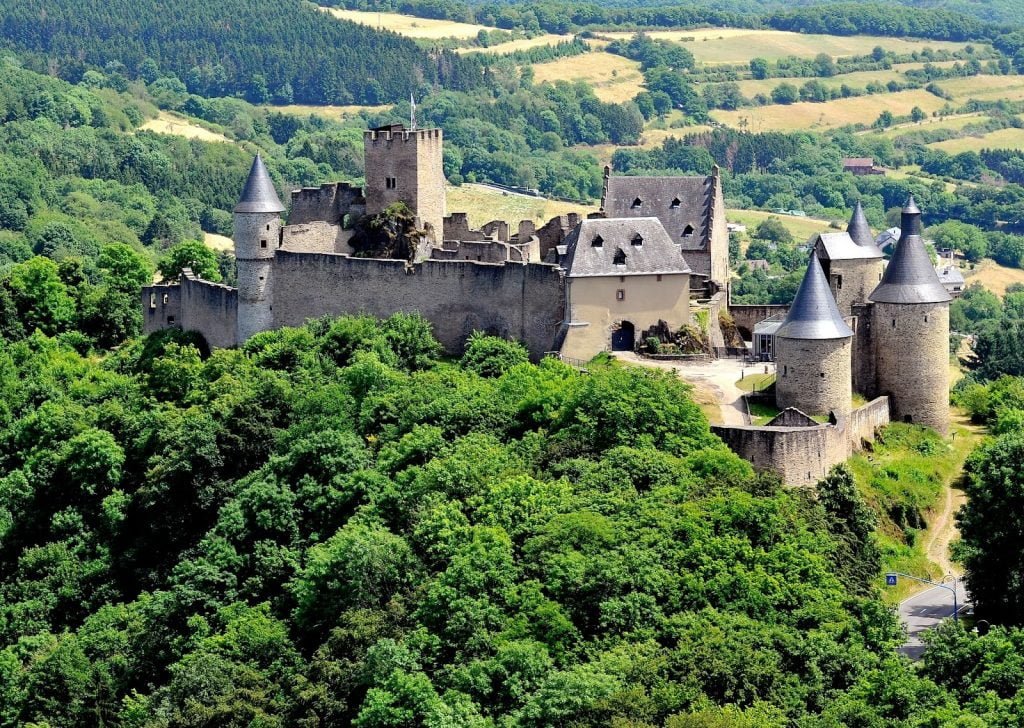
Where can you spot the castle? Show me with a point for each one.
(657, 248)
(856, 325)
(572, 286)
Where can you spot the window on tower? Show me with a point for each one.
(263, 243)
(391, 182)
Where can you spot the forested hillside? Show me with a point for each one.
(260, 49)
(332, 526)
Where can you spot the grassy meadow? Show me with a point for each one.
(408, 25)
(171, 123)
(828, 115)
(1002, 139)
(614, 78)
(739, 45)
(484, 204)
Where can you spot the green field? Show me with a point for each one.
(802, 228)
(1001, 139)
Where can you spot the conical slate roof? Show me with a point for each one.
(910, 277)
(259, 194)
(859, 229)
(814, 313)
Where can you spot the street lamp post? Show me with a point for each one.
(891, 579)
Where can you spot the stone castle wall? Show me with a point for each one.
(209, 308)
(911, 350)
(523, 302)
(161, 307)
(746, 317)
(329, 203)
(813, 375)
(316, 237)
(802, 456)
(852, 281)
(863, 351)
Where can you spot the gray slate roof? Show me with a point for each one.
(860, 231)
(655, 254)
(259, 194)
(949, 275)
(840, 246)
(679, 202)
(910, 277)
(814, 313)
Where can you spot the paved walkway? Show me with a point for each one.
(926, 610)
(719, 376)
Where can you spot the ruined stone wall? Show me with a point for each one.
(813, 375)
(803, 455)
(746, 317)
(554, 232)
(329, 202)
(209, 308)
(480, 251)
(316, 237)
(911, 359)
(522, 302)
(161, 307)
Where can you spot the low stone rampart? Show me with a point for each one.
(209, 308)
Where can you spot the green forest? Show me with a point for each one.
(339, 524)
(336, 525)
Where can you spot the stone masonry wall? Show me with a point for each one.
(803, 455)
(863, 351)
(746, 317)
(911, 351)
(209, 308)
(523, 302)
(161, 307)
(327, 203)
(813, 375)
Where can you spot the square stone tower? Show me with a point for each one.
(405, 165)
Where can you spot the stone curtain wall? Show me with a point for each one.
(161, 307)
(209, 308)
(803, 455)
(523, 302)
(746, 317)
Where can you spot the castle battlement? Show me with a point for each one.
(398, 132)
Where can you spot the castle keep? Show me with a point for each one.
(657, 249)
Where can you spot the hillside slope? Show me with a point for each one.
(262, 49)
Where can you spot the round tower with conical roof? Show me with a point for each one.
(910, 326)
(257, 222)
(813, 351)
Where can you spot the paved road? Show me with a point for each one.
(925, 611)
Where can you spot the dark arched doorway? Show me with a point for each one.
(624, 338)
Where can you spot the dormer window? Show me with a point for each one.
(676, 203)
(597, 242)
(620, 257)
(688, 231)
(637, 203)
(637, 240)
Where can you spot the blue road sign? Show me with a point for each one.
(890, 579)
